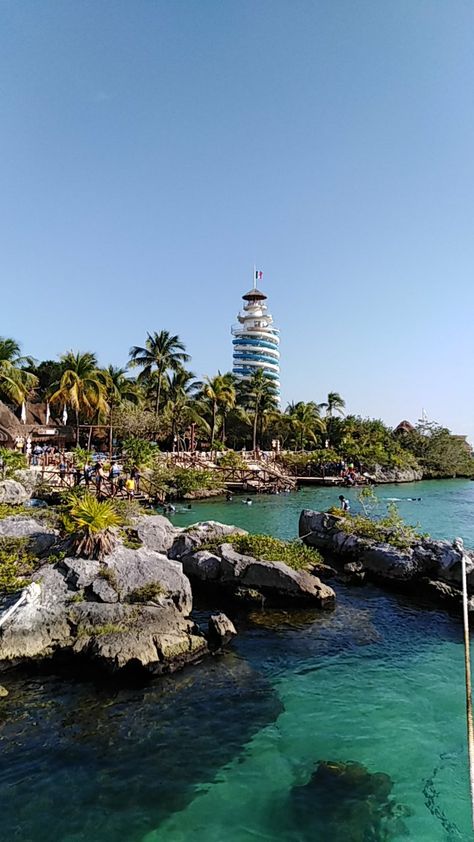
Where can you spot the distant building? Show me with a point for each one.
(256, 339)
(36, 425)
(404, 427)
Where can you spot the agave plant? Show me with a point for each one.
(91, 523)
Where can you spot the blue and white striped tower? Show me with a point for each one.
(256, 340)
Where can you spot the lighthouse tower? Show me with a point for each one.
(256, 340)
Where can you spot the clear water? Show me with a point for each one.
(223, 750)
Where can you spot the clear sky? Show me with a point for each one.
(151, 152)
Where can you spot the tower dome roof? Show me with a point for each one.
(254, 295)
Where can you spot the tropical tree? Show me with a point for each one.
(219, 394)
(305, 421)
(162, 352)
(182, 408)
(92, 526)
(15, 382)
(333, 403)
(258, 396)
(81, 387)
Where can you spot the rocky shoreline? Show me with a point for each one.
(131, 612)
(427, 567)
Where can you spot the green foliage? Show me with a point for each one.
(300, 464)
(98, 631)
(10, 462)
(128, 509)
(82, 457)
(130, 539)
(139, 452)
(439, 452)
(390, 529)
(77, 597)
(16, 564)
(6, 510)
(108, 575)
(90, 523)
(231, 459)
(147, 593)
(265, 548)
(170, 480)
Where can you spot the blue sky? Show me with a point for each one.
(151, 152)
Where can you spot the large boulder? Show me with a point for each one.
(40, 536)
(237, 574)
(13, 493)
(190, 539)
(130, 570)
(155, 532)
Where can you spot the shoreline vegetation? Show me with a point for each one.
(188, 436)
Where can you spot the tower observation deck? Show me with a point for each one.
(256, 341)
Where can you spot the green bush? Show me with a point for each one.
(147, 593)
(6, 510)
(90, 523)
(265, 548)
(10, 462)
(139, 452)
(390, 529)
(16, 564)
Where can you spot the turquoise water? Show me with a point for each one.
(225, 749)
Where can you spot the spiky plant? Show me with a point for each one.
(90, 523)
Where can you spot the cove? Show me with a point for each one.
(219, 751)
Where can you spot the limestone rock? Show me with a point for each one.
(3, 691)
(117, 636)
(13, 492)
(221, 630)
(41, 537)
(130, 570)
(156, 532)
(202, 565)
(191, 539)
(389, 562)
(237, 573)
(80, 572)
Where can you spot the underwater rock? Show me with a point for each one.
(344, 802)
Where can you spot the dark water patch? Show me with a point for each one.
(111, 766)
(344, 802)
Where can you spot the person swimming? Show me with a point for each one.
(247, 502)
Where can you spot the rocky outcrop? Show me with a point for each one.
(426, 566)
(190, 539)
(237, 575)
(221, 630)
(40, 536)
(130, 611)
(156, 532)
(13, 493)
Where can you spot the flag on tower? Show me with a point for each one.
(258, 275)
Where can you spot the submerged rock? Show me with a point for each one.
(221, 630)
(344, 802)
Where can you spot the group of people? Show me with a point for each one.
(120, 482)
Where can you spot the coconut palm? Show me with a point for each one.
(258, 395)
(81, 387)
(162, 352)
(15, 382)
(219, 394)
(181, 407)
(305, 421)
(333, 403)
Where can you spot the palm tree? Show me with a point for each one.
(181, 407)
(118, 389)
(15, 382)
(81, 387)
(333, 403)
(259, 396)
(305, 420)
(219, 393)
(162, 352)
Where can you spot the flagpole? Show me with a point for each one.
(467, 668)
(254, 276)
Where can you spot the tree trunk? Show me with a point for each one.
(158, 394)
(213, 428)
(223, 428)
(89, 437)
(255, 422)
(77, 428)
